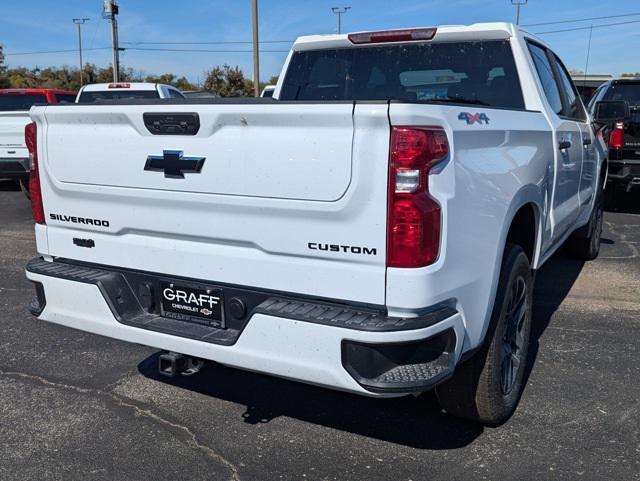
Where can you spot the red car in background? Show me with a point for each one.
(14, 115)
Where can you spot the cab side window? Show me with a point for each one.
(547, 78)
(573, 108)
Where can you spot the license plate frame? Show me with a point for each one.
(189, 302)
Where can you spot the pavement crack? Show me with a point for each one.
(623, 240)
(192, 439)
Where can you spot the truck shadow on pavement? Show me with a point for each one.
(553, 283)
(622, 202)
(414, 422)
(7, 185)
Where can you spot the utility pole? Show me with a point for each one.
(256, 49)
(339, 12)
(110, 12)
(518, 4)
(79, 22)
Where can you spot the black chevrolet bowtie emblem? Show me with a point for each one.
(173, 164)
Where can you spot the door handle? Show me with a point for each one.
(586, 142)
(564, 144)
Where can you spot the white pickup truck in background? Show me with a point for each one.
(127, 90)
(14, 116)
(376, 229)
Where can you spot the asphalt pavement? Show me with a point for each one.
(76, 406)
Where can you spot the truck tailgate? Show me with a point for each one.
(249, 150)
(290, 197)
(12, 129)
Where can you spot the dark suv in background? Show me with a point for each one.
(622, 135)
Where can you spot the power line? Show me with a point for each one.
(577, 20)
(147, 49)
(588, 27)
(207, 42)
(144, 49)
(56, 51)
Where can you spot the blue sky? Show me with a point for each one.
(38, 25)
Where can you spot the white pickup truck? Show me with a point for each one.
(14, 115)
(376, 229)
(127, 90)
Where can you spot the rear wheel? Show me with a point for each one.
(585, 243)
(487, 387)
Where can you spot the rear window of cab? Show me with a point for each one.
(88, 97)
(481, 73)
(15, 102)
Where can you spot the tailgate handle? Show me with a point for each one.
(169, 123)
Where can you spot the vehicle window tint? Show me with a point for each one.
(13, 102)
(481, 73)
(118, 95)
(573, 109)
(66, 98)
(547, 79)
(175, 94)
(624, 91)
(596, 97)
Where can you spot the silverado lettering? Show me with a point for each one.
(79, 220)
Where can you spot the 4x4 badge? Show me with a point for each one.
(473, 118)
(174, 164)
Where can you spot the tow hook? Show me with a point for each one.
(171, 364)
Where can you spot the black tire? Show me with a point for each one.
(585, 242)
(24, 187)
(487, 387)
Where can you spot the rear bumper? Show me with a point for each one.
(14, 168)
(350, 348)
(626, 172)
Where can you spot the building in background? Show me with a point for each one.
(587, 84)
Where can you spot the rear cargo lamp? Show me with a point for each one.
(413, 222)
(383, 36)
(119, 86)
(616, 138)
(30, 138)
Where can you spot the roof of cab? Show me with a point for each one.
(34, 91)
(444, 33)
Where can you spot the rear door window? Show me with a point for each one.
(14, 102)
(175, 94)
(481, 73)
(547, 78)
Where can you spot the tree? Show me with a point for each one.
(227, 81)
(4, 81)
(171, 79)
(637, 74)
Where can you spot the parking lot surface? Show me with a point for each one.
(75, 406)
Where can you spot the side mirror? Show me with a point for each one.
(611, 110)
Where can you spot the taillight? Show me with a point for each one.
(31, 139)
(616, 138)
(413, 223)
(384, 36)
(119, 86)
